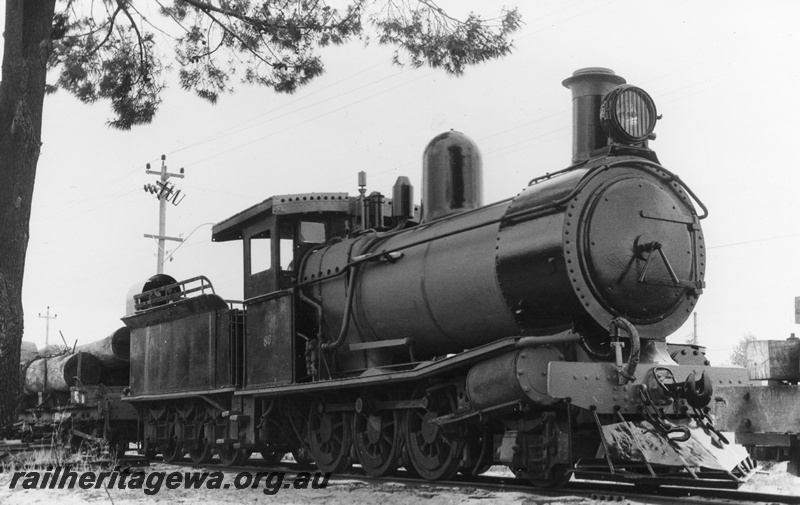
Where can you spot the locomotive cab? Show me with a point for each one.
(275, 236)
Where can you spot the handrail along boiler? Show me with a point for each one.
(454, 336)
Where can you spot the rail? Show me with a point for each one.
(594, 491)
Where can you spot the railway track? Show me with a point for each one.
(596, 491)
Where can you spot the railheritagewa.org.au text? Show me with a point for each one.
(152, 483)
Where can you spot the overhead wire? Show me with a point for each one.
(754, 241)
(241, 126)
(501, 151)
(283, 130)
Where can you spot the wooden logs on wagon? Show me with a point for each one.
(114, 351)
(105, 361)
(58, 373)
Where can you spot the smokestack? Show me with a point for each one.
(589, 86)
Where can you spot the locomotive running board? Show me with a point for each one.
(374, 377)
(369, 377)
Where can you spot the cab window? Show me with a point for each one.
(286, 246)
(260, 252)
(312, 232)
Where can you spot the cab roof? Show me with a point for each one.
(303, 203)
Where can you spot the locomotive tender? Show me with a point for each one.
(455, 336)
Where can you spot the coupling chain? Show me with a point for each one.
(659, 420)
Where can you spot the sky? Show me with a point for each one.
(724, 75)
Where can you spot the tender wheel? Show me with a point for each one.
(172, 450)
(229, 456)
(329, 439)
(200, 451)
(434, 452)
(199, 448)
(377, 440)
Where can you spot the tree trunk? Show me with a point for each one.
(28, 352)
(27, 45)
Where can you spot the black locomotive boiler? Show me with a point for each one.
(454, 336)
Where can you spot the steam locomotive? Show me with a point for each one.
(455, 335)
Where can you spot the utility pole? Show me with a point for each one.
(164, 191)
(47, 317)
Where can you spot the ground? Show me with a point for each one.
(348, 492)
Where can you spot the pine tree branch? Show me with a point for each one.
(235, 35)
(260, 23)
(139, 38)
(108, 33)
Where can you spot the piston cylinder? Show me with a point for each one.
(515, 376)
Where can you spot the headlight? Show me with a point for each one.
(629, 114)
